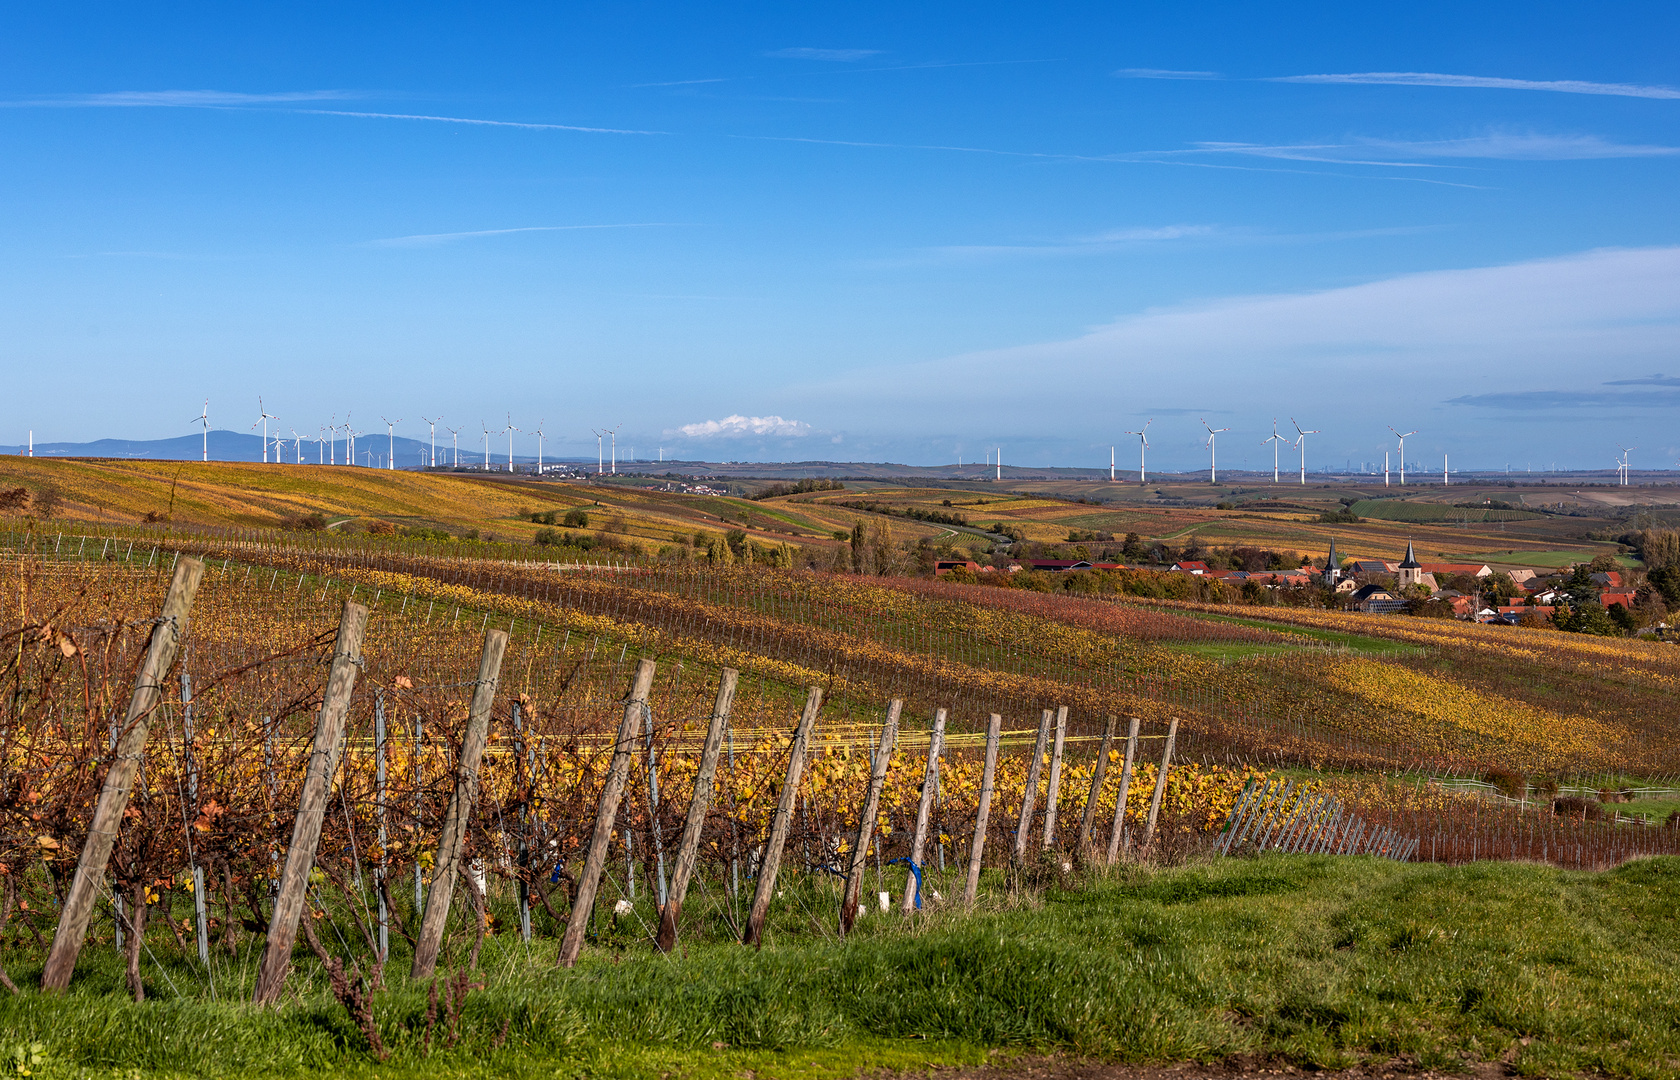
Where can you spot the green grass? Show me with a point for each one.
(1325, 961)
(1404, 510)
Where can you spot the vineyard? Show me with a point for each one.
(920, 744)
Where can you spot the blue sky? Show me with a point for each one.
(862, 233)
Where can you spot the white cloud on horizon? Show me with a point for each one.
(1407, 345)
(738, 427)
(1484, 82)
(842, 55)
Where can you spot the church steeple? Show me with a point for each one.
(1411, 571)
(1410, 562)
(1332, 564)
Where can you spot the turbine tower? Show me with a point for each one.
(613, 433)
(1143, 444)
(486, 428)
(391, 440)
(349, 441)
(432, 424)
(1301, 441)
(1403, 436)
(1622, 466)
(266, 417)
(203, 417)
(1111, 464)
(1213, 452)
(299, 439)
(600, 454)
(539, 446)
(510, 430)
(1274, 440)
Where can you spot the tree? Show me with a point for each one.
(1134, 548)
(882, 552)
(1604, 563)
(46, 501)
(1586, 618)
(860, 548)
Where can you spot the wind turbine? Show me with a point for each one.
(1213, 452)
(202, 417)
(455, 434)
(391, 441)
(510, 430)
(600, 454)
(1301, 441)
(486, 445)
(1143, 444)
(266, 417)
(1622, 466)
(539, 446)
(299, 439)
(349, 442)
(432, 424)
(1402, 436)
(613, 432)
(1274, 440)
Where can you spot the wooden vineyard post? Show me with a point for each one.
(699, 804)
(1087, 820)
(453, 836)
(1053, 792)
(1160, 784)
(1030, 797)
(983, 812)
(618, 773)
(130, 747)
(918, 842)
(866, 820)
(312, 805)
(1119, 830)
(782, 822)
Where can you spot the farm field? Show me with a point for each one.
(1325, 702)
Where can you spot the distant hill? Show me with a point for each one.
(225, 445)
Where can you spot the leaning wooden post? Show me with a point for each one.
(1052, 793)
(1088, 819)
(618, 773)
(1160, 784)
(129, 748)
(866, 821)
(782, 823)
(1119, 831)
(930, 783)
(699, 804)
(985, 809)
(312, 805)
(1030, 796)
(452, 837)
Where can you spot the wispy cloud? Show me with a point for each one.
(1164, 73)
(1658, 379)
(1584, 400)
(1104, 242)
(737, 426)
(179, 99)
(1484, 82)
(434, 239)
(843, 55)
(1394, 153)
(470, 120)
(676, 82)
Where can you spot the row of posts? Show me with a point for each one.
(129, 745)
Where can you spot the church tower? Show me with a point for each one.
(1332, 565)
(1411, 571)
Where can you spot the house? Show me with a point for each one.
(1513, 613)
(1191, 567)
(1345, 586)
(1369, 566)
(1522, 576)
(1279, 578)
(1376, 600)
(1608, 579)
(1463, 606)
(945, 566)
(1546, 596)
(1623, 597)
(1478, 570)
(1060, 566)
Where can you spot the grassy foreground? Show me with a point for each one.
(1322, 960)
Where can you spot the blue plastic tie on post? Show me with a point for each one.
(917, 871)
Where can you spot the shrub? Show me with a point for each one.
(15, 499)
(377, 527)
(575, 519)
(314, 521)
(1509, 782)
(1576, 807)
(548, 538)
